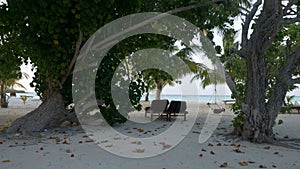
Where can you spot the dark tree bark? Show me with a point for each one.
(147, 96)
(260, 115)
(50, 114)
(3, 101)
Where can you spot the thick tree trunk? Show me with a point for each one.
(3, 100)
(50, 114)
(258, 115)
(256, 127)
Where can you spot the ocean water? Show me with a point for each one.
(194, 98)
(203, 98)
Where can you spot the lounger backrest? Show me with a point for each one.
(159, 106)
(177, 106)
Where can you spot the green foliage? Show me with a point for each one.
(11, 51)
(280, 122)
(238, 120)
(51, 29)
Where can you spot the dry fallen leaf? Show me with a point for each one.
(5, 161)
(66, 136)
(166, 146)
(209, 144)
(244, 163)
(66, 142)
(89, 140)
(203, 150)
(237, 150)
(57, 139)
(276, 152)
(140, 130)
(139, 150)
(267, 147)
(225, 164)
(117, 138)
(3, 128)
(251, 162)
(262, 166)
(65, 123)
(219, 144)
(104, 141)
(212, 153)
(110, 145)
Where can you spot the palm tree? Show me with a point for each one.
(157, 80)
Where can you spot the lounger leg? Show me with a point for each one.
(169, 117)
(151, 116)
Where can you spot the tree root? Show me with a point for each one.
(278, 142)
(288, 139)
(281, 144)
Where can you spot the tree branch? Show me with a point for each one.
(289, 6)
(290, 20)
(241, 53)
(247, 22)
(186, 8)
(231, 84)
(296, 80)
(292, 64)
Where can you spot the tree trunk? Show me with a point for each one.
(259, 117)
(158, 90)
(50, 114)
(147, 96)
(256, 123)
(3, 100)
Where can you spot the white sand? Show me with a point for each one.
(44, 152)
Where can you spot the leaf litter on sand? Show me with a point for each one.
(243, 163)
(237, 150)
(224, 165)
(6, 161)
(136, 142)
(165, 145)
(138, 150)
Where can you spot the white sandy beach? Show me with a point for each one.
(73, 148)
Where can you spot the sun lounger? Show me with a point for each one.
(291, 107)
(157, 108)
(176, 108)
(229, 101)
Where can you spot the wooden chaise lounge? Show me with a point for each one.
(157, 108)
(176, 108)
